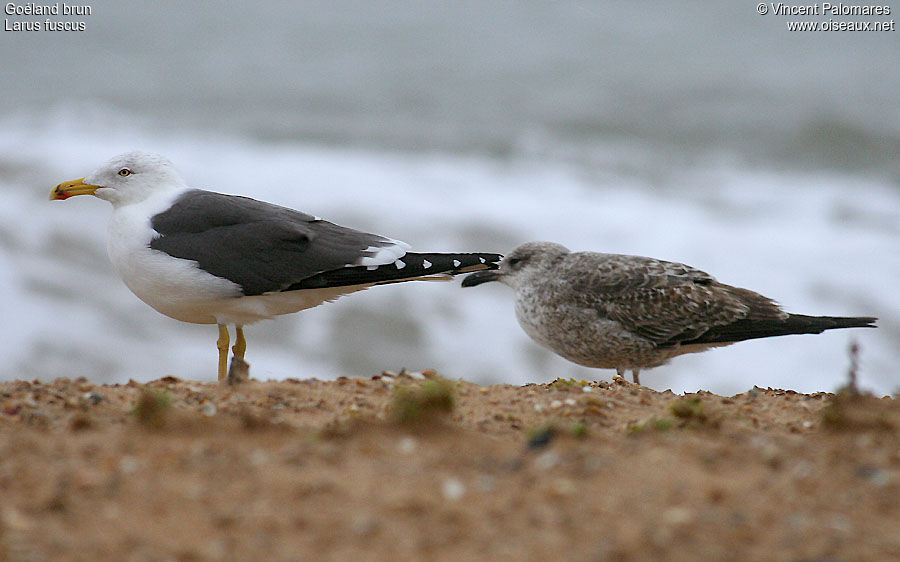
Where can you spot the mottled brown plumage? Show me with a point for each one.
(631, 312)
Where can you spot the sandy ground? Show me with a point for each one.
(405, 467)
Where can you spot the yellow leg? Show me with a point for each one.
(222, 344)
(240, 344)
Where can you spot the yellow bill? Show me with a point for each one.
(72, 188)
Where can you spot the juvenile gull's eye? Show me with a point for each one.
(125, 172)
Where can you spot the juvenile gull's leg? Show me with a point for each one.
(634, 374)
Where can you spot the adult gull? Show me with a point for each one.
(209, 258)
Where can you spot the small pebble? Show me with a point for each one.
(841, 523)
(363, 525)
(677, 515)
(259, 457)
(216, 549)
(407, 445)
(453, 489)
(876, 476)
(564, 487)
(547, 460)
(111, 511)
(128, 464)
(15, 520)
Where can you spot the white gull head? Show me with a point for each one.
(133, 177)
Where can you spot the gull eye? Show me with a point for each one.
(513, 261)
(125, 172)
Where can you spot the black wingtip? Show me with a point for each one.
(410, 267)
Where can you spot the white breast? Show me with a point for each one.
(173, 286)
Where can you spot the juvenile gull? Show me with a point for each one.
(621, 312)
(209, 258)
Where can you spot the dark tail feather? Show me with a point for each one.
(410, 267)
(749, 329)
(802, 324)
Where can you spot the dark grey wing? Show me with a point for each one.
(259, 246)
(664, 302)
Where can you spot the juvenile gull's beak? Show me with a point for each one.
(480, 277)
(72, 188)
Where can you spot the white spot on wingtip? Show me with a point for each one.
(481, 259)
(456, 263)
(399, 264)
(426, 264)
(383, 255)
(371, 267)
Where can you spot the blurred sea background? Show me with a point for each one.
(700, 132)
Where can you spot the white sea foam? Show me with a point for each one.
(817, 243)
